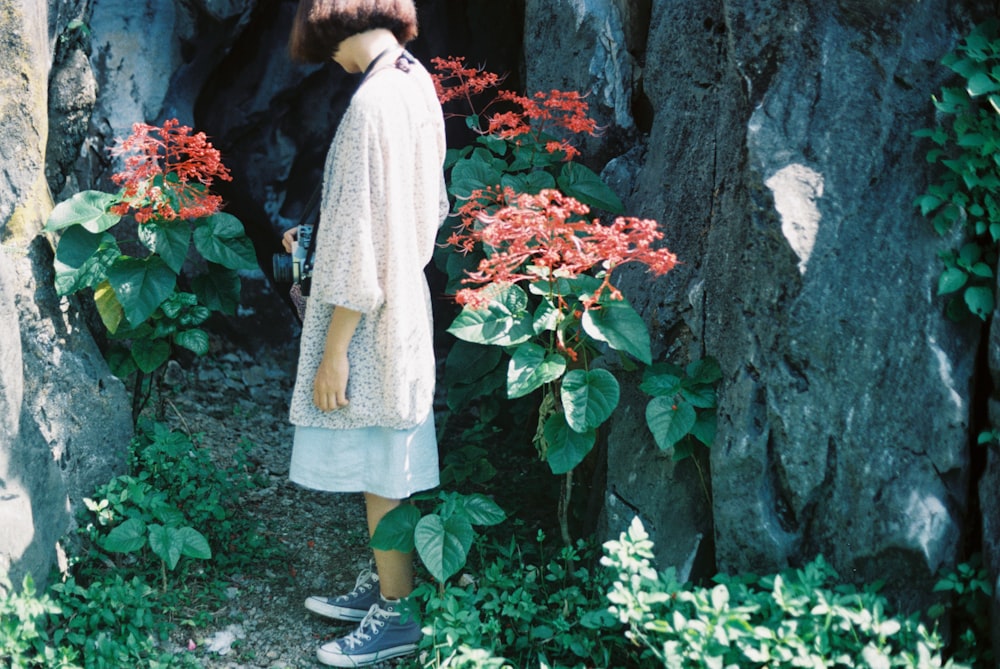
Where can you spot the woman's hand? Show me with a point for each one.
(290, 237)
(330, 383)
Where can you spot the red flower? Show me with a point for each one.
(548, 236)
(167, 173)
(555, 111)
(453, 79)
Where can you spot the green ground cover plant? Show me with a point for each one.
(153, 547)
(963, 201)
(798, 618)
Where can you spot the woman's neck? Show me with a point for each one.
(357, 52)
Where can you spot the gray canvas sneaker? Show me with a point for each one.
(382, 635)
(353, 606)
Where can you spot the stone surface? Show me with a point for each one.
(64, 420)
(580, 45)
(780, 160)
(825, 445)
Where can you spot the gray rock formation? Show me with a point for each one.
(846, 418)
(780, 160)
(64, 420)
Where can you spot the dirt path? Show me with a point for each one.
(227, 397)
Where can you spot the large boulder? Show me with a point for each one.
(845, 416)
(64, 419)
(780, 160)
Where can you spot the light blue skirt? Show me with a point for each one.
(389, 463)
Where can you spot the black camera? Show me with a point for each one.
(297, 266)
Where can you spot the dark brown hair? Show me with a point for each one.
(321, 25)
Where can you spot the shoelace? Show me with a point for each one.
(365, 581)
(374, 620)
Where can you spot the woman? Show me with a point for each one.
(365, 384)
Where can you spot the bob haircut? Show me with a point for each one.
(321, 25)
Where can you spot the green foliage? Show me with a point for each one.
(969, 595)
(521, 611)
(175, 505)
(798, 618)
(24, 633)
(529, 335)
(964, 201)
(681, 412)
(442, 537)
(114, 623)
(175, 488)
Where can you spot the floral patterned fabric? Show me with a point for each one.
(383, 201)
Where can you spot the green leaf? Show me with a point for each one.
(578, 285)
(395, 531)
(979, 300)
(108, 307)
(662, 380)
(82, 259)
(532, 182)
(88, 208)
(128, 537)
(481, 510)
(700, 396)
(589, 398)
(141, 284)
(120, 361)
(471, 175)
(566, 447)
(928, 203)
(195, 341)
(218, 289)
(547, 317)
(170, 241)
(981, 270)
(503, 322)
(951, 279)
(705, 427)
(193, 543)
(617, 324)
(530, 368)
(467, 362)
(150, 354)
(220, 239)
(166, 544)
(981, 83)
(669, 420)
(582, 183)
(443, 544)
(704, 370)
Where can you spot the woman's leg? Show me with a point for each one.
(395, 568)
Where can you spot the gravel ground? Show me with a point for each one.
(230, 396)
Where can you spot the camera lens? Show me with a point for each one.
(281, 264)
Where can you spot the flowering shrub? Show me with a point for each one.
(525, 219)
(165, 188)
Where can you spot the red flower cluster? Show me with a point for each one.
(167, 174)
(543, 113)
(453, 79)
(548, 236)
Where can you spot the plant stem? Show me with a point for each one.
(563, 510)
